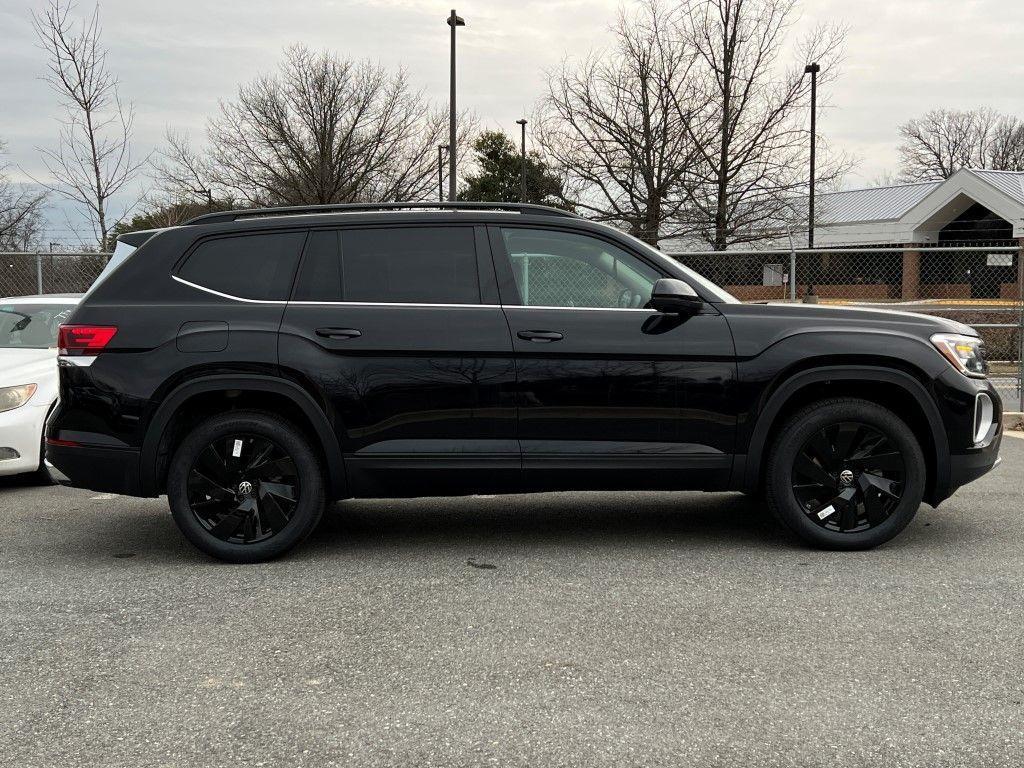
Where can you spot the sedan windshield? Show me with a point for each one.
(31, 326)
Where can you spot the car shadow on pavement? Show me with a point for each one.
(565, 518)
(84, 528)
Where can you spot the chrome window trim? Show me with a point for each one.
(203, 288)
(398, 303)
(328, 303)
(581, 309)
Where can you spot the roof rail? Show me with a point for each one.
(299, 210)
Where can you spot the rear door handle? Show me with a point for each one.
(338, 333)
(542, 337)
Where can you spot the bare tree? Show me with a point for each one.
(20, 213)
(321, 130)
(615, 125)
(751, 123)
(93, 159)
(943, 141)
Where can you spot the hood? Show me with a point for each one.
(26, 366)
(909, 322)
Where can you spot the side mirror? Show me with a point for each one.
(675, 297)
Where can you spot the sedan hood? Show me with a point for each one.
(27, 366)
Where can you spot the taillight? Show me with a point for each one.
(75, 340)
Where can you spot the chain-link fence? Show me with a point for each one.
(980, 285)
(25, 274)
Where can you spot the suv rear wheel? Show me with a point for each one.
(245, 486)
(845, 474)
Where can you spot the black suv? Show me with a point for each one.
(255, 365)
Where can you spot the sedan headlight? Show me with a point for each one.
(15, 397)
(965, 353)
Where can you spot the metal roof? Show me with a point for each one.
(874, 204)
(1010, 183)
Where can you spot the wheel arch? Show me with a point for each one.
(211, 394)
(892, 388)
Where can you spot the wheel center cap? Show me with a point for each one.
(846, 478)
(244, 488)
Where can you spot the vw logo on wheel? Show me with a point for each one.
(846, 478)
(244, 488)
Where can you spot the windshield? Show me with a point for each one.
(31, 326)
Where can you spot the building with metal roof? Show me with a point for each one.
(969, 206)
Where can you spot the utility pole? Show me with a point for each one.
(522, 175)
(453, 21)
(812, 69)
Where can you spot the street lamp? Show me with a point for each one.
(812, 69)
(440, 171)
(453, 21)
(522, 175)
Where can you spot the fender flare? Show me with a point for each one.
(336, 480)
(749, 471)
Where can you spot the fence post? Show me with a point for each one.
(1020, 326)
(792, 268)
(39, 272)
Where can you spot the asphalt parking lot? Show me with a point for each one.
(569, 630)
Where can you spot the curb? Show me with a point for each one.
(1013, 420)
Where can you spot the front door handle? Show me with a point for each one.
(338, 333)
(543, 337)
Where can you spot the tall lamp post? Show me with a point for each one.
(812, 69)
(453, 21)
(440, 171)
(522, 173)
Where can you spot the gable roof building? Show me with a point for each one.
(971, 205)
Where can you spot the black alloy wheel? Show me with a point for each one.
(246, 486)
(848, 477)
(845, 473)
(243, 489)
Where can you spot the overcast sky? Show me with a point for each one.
(176, 58)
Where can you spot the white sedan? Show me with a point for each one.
(28, 376)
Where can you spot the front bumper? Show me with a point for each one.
(967, 467)
(968, 460)
(21, 431)
(107, 470)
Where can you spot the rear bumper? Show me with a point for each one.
(108, 470)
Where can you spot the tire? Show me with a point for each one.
(246, 486)
(845, 474)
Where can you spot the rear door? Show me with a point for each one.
(611, 394)
(400, 332)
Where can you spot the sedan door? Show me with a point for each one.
(611, 394)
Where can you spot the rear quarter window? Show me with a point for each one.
(259, 267)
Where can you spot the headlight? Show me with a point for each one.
(965, 353)
(15, 397)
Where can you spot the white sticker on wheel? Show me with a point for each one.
(826, 512)
(237, 450)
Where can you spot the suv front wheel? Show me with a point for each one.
(845, 474)
(245, 486)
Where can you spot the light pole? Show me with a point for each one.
(453, 21)
(812, 69)
(440, 171)
(522, 174)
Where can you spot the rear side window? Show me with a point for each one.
(411, 265)
(250, 266)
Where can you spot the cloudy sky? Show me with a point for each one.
(175, 59)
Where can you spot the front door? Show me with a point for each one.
(400, 332)
(610, 394)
